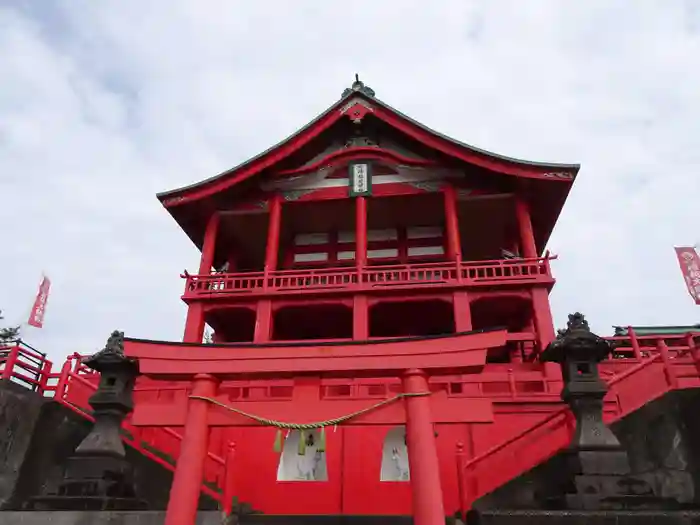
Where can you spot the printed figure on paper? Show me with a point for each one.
(690, 267)
(308, 463)
(310, 466)
(395, 466)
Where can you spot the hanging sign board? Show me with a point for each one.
(360, 178)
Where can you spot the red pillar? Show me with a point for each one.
(528, 248)
(454, 245)
(462, 311)
(263, 316)
(189, 471)
(209, 244)
(460, 299)
(544, 324)
(273, 234)
(542, 312)
(360, 309)
(360, 318)
(428, 508)
(540, 297)
(194, 324)
(360, 233)
(263, 322)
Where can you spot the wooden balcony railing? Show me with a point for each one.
(448, 274)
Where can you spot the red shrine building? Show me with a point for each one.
(378, 295)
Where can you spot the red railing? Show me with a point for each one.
(73, 386)
(25, 365)
(674, 358)
(371, 277)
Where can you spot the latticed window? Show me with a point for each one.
(390, 245)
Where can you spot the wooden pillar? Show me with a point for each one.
(194, 324)
(360, 318)
(426, 490)
(544, 325)
(360, 309)
(461, 308)
(189, 471)
(454, 245)
(528, 248)
(273, 234)
(462, 311)
(209, 244)
(544, 329)
(360, 233)
(263, 314)
(263, 321)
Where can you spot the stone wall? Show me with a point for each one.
(20, 412)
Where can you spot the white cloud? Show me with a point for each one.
(102, 104)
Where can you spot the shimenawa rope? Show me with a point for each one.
(302, 427)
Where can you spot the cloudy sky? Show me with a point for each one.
(103, 104)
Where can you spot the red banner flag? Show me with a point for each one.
(690, 267)
(36, 318)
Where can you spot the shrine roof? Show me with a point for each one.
(550, 182)
(623, 331)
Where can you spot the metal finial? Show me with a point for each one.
(358, 86)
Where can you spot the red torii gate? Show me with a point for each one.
(411, 359)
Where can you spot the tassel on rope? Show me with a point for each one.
(302, 443)
(277, 447)
(322, 440)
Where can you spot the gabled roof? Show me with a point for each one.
(360, 92)
(355, 102)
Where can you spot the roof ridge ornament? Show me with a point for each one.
(358, 85)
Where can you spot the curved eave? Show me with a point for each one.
(169, 194)
(323, 121)
(479, 151)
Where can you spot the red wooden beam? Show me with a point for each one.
(336, 158)
(460, 353)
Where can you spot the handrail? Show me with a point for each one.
(382, 267)
(349, 277)
(468, 466)
(19, 355)
(630, 371)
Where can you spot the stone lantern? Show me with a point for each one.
(113, 399)
(597, 471)
(98, 476)
(579, 351)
